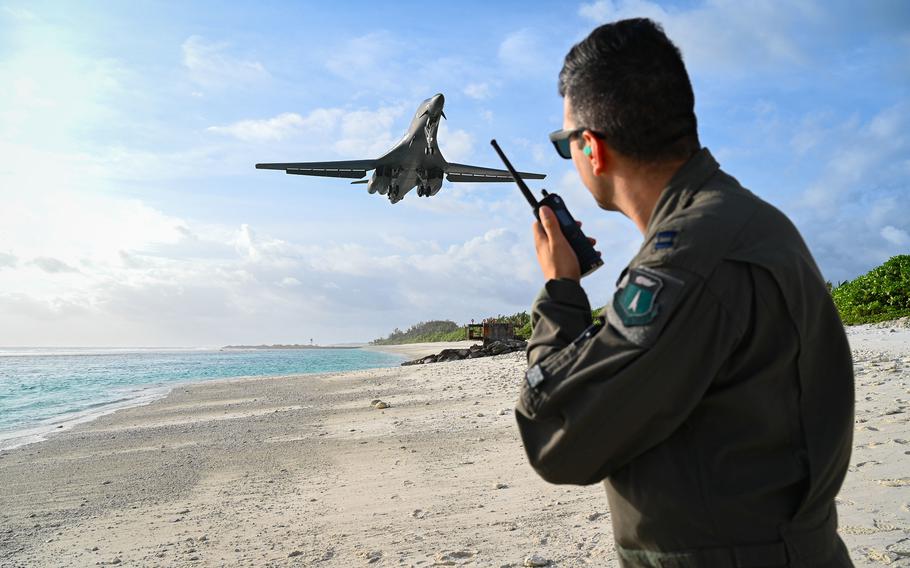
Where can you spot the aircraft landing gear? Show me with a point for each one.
(431, 139)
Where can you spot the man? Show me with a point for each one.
(716, 400)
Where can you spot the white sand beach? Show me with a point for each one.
(301, 471)
(418, 350)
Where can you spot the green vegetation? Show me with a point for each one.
(881, 294)
(447, 330)
(425, 331)
(524, 331)
(521, 322)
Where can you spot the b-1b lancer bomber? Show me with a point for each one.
(414, 162)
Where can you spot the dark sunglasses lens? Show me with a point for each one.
(562, 147)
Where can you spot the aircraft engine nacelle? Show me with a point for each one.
(434, 185)
(378, 183)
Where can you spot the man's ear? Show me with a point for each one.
(598, 152)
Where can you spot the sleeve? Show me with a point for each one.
(593, 402)
(559, 314)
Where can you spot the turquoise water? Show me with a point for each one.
(43, 389)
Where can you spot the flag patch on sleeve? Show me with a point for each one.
(664, 240)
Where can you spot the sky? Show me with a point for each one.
(131, 213)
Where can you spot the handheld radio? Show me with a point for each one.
(588, 258)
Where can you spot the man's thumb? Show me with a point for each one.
(548, 220)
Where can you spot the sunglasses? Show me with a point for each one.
(562, 140)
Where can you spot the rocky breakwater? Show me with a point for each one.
(487, 349)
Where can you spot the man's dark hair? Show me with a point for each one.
(627, 81)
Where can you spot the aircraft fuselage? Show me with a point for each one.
(416, 160)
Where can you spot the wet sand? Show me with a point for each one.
(302, 471)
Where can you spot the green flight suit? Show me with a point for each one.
(715, 401)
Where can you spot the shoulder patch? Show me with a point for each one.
(643, 302)
(636, 301)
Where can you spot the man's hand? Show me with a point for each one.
(555, 255)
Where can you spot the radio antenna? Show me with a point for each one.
(521, 184)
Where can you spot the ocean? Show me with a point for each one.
(45, 390)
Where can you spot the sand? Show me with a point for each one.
(418, 350)
(301, 471)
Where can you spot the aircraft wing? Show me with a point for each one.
(462, 173)
(340, 169)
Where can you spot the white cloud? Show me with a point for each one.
(210, 64)
(853, 214)
(263, 290)
(275, 128)
(895, 236)
(69, 226)
(150, 275)
(369, 133)
(126, 273)
(319, 121)
(541, 154)
(478, 91)
(520, 52)
(721, 36)
(53, 265)
(50, 94)
(351, 133)
(455, 145)
(608, 10)
(18, 13)
(366, 58)
(289, 282)
(44, 313)
(857, 154)
(810, 135)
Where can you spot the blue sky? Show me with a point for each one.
(132, 214)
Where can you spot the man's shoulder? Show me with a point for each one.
(721, 221)
(697, 234)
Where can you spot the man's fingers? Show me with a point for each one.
(555, 255)
(592, 240)
(549, 222)
(540, 236)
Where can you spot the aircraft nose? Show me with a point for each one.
(438, 102)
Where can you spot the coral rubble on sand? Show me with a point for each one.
(495, 347)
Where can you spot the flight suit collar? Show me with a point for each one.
(687, 180)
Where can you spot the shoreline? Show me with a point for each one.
(311, 468)
(33, 434)
(133, 396)
(301, 470)
(142, 395)
(418, 350)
